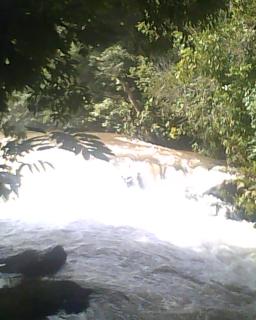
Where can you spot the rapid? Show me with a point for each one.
(140, 229)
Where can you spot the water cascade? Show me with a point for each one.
(140, 230)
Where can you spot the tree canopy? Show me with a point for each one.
(37, 38)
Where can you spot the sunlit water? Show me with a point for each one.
(157, 252)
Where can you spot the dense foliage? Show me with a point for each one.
(211, 88)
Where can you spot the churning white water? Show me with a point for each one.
(153, 246)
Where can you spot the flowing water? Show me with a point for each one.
(140, 231)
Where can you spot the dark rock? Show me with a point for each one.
(32, 263)
(35, 299)
(226, 191)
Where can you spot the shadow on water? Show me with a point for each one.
(77, 142)
(88, 145)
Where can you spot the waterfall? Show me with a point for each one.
(140, 229)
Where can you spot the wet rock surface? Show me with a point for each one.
(131, 279)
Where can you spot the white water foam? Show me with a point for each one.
(95, 191)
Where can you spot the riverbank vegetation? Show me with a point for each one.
(178, 73)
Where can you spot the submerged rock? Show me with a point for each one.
(32, 263)
(35, 299)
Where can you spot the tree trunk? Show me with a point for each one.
(129, 91)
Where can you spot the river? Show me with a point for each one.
(139, 230)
